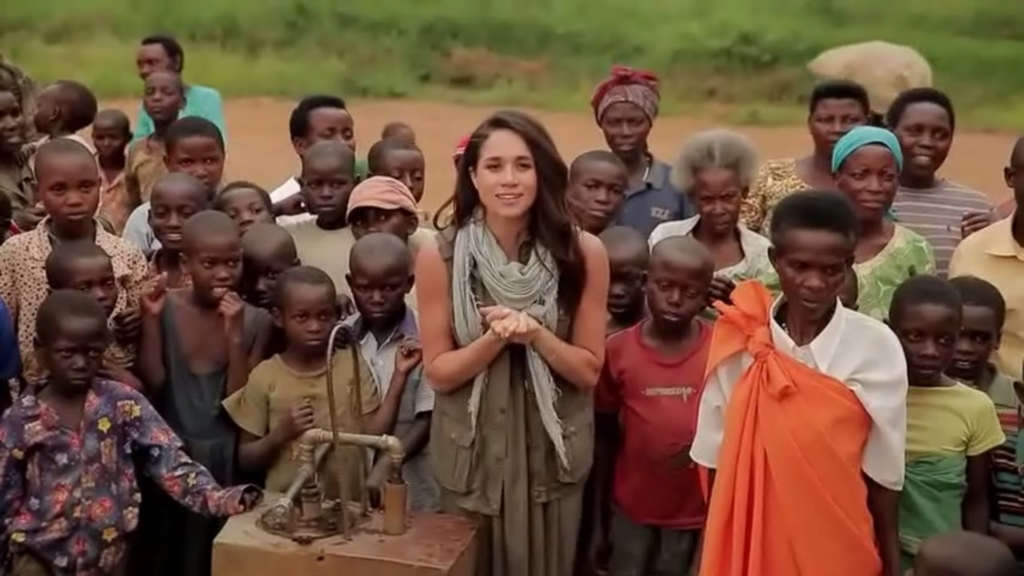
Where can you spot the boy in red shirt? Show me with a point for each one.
(647, 403)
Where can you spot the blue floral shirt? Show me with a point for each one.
(70, 497)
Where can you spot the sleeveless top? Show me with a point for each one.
(509, 433)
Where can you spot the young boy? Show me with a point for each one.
(163, 99)
(386, 329)
(597, 188)
(627, 258)
(648, 397)
(984, 311)
(48, 468)
(327, 180)
(951, 428)
(400, 131)
(246, 203)
(401, 160)
(63, 109)
(176, 198)
(82, 265)
(962, 553)
(268, 250)
(111, 134)
(198, 346)
(194, 146)
(68, 181)
(287, 394)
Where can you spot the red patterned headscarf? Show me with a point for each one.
(626, 84)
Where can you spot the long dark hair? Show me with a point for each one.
(550, 223)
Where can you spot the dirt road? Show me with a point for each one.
(259, 149)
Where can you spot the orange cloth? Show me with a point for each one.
(789, 498)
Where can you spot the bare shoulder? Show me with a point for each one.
(591, 246)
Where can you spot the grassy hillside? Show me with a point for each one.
(746, 55)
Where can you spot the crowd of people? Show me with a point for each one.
(619, 366)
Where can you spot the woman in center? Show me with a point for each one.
(512, 299)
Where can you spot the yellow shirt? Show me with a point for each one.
(273, 389)
(951, 420)
(993, 255)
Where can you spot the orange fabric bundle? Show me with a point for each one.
(789, 498)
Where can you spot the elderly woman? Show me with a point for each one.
(512, 319)
(625, 106)
(867, 164)
(835, 107)
(716, 169)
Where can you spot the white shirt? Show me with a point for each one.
(755, 263)
(853, 348)
(288, 188)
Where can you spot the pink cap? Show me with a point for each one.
(381, 192)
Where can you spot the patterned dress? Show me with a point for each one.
(70, 498)
(907, 254)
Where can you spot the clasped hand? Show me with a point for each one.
(510, 325)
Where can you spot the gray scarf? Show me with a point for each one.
(530, 288)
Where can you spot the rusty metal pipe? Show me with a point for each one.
(390, 445)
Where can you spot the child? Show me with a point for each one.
(328, 176)
(43, 459)
(287, 394)
(163, 99)
(961, 553)
(246, 204)
(951, 428)
(597, 189)
(401, 160)
(399, 131)
(268, 250)
(82, 265)
(194, 146)
(111, 134)
(63, 109)
(386, 329)
(198, 346)
(68, 180)
(627, 258)
(176, 198)
(851, 290)
(648, 397)
(384, 204)
(984, 311)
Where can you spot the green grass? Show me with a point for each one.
(746, 56)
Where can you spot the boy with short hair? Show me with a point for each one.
(293, 383)
(402, 160)
(246, 203)
(627, 259)
(163, 99)
(961, 553)
(597, 189)
(47, 469)
(400, 131)
(68, 181)
(63, 109)
(268, 251)
(984, 311)
(198, 345)
(386, 329)
(647, 398)
(176, 198)
(193, 146)
(951, 427)
(111, 134)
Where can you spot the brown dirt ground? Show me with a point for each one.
(259, 149)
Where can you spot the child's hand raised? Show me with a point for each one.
(300, 418)
(251, 497)
(409, 356)
(127, 326)
(154, 294)
(721, 290)
(231, 309)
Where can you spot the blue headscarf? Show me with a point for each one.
(862, 136)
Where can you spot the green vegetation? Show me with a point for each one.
(745, 56)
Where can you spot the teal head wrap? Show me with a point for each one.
(862, 136)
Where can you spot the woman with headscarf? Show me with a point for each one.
(625, 105)
(835, 107)
(512, 312)
(866, 163)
